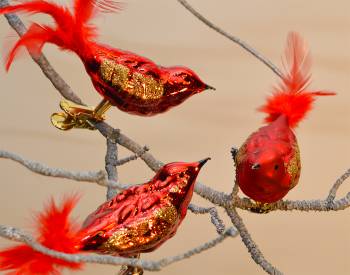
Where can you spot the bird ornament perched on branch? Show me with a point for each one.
(268, 162)
(137, 220)
(132, 83)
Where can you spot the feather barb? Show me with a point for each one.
(292, 96)
(72, 30)
(55, 231)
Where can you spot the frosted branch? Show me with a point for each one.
(111, 161)
(214, 216)
(123, 161)
(17, 235)
(333, 192)
(252, 247)
(233, 38)
(42, 169)
(99, 177)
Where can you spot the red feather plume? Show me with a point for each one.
(292, 97)
(72, 31)
(55, 231)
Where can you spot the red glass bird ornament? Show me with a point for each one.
(268, 163)
(132, 83)
(137, 220)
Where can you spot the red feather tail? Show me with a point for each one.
(72, 31)
(292, 97)
(55, 231)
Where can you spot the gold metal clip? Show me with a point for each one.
(79, 116)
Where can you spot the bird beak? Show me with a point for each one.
(255, 166)
(208, 87)
(202, 162)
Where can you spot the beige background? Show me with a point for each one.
(206, 125)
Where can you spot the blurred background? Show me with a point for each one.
(206, 125)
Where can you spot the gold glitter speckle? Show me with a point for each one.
(241, 154)
(145, 87)
(143, 234)
(142, 87)
(293, 166)
(120, 76)
(107, 69)
(174, 189)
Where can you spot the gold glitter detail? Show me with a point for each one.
(241, 153)
(144, 234)
(143, 87)
(293, 166)
(120, 76)
(107, 69)
(174, 189)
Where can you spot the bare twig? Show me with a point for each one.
(123, 161)
(302, 205)
(111, 161)
(252, 247)
(333, 192)
(231, 232)
(15, 234)
(106, 130)
(42, 169)
(214, 216)
(234, 39)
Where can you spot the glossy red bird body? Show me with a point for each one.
(137, 85)
(128, 81)
(268, 163)
(141, 218)
(137, 220)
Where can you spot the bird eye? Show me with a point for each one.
(255, 166)
(276, 167)
(162, 176)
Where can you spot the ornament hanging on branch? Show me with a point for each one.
(132, 83)
(138, 220)
(268, 163)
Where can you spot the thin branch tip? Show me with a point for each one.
(234, 39)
